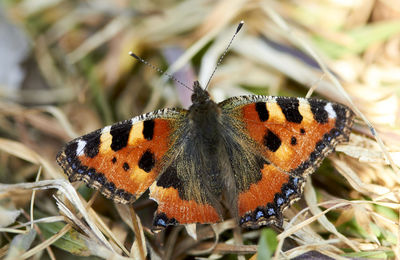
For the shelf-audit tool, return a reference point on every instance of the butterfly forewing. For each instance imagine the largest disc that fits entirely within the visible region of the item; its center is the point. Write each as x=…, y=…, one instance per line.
x=124, y=159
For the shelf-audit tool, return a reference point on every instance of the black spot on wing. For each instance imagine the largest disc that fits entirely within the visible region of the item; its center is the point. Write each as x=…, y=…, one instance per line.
x=148, y=129
x=169, y=178
x=147, y=161
x=318, y=110
x=293, y=140
x=114, y=160
x=262, y=111
x=125, y=166
x=92, y=143
x=290, y=108
x=272, y=141
x=120, y=135
x=302, y=131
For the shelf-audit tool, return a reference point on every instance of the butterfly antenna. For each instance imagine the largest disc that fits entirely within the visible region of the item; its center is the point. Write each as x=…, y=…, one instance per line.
x=225, y=52
x=159, y=70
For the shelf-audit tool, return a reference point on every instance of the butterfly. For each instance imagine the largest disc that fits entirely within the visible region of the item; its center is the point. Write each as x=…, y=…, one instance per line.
x=248, y=156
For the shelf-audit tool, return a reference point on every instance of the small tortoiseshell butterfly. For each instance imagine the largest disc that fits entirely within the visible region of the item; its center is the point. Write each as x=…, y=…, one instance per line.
x=248, y=154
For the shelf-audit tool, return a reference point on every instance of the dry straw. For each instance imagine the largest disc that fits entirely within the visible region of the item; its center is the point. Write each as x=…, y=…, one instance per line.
x=82, y=79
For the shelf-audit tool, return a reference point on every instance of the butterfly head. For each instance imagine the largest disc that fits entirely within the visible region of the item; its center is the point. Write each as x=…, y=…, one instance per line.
x=199, y=96
x=203, y=106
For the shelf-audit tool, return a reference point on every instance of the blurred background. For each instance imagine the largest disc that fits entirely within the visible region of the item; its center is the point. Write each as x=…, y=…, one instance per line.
x=65, y=71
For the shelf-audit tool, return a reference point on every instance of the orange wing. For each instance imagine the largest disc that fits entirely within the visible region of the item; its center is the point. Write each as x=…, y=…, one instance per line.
x=294, y=135
x=173, y=208
x=124, y=159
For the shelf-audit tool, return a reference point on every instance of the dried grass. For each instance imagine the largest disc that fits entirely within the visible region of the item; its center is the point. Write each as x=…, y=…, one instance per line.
x=80, y=50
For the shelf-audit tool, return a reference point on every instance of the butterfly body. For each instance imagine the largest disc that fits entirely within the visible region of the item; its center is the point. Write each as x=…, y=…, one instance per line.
x=249, y=154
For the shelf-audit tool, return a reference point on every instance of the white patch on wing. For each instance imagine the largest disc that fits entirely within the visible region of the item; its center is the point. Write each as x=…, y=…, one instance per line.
x=331, y=112
x=106, y=129
x=81, y=147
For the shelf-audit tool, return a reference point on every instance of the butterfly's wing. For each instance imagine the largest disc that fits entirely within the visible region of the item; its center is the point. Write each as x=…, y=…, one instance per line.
x=189, y=190
x=124, y=159
x=292, y=136
x=182, y=197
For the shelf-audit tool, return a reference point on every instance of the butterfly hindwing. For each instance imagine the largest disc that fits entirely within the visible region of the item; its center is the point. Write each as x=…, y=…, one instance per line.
x=124, y=159
x=177, y=204
x=189, y=190
x=293, y=135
